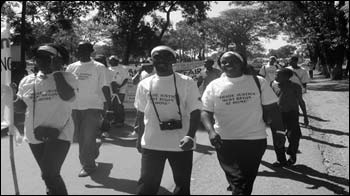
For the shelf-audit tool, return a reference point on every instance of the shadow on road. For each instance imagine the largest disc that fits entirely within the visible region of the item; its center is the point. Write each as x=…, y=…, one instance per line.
x=328, y=131
x=322, y=142
x=314, y=118
x=204, y=149
x=123, y=185
x=307, y=175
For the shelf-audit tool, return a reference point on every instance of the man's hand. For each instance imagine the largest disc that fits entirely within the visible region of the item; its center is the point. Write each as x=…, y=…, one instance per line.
x=215, y=140
x=186, y=143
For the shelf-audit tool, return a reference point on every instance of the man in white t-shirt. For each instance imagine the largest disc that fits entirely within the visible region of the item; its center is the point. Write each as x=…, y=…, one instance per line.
x=168, y=105
x=118, y=79
x=301, y=75
x=93, y=91
x=268, y=71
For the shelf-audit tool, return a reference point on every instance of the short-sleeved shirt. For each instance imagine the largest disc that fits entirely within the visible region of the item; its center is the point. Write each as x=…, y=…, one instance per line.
x=163, y=93
x=288, y=94
x=118, y=75
x=92, y=77
x=300, y=76
x=237, y=106
x=50, y=109
x=209, y=76
x=269, y=72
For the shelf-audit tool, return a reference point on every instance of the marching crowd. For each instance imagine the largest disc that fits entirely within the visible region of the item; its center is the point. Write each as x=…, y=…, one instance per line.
x=81, y=102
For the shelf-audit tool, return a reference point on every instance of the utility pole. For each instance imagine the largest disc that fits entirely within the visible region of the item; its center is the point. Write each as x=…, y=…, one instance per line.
x=23, y=20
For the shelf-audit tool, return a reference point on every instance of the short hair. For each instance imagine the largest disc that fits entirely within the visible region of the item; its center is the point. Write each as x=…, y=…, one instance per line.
x=285, y=71
x=211, y=61
x=86, y=45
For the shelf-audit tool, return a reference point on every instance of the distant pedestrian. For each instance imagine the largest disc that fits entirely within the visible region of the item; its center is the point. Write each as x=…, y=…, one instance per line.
x=88, y=107
x=168, y=105
x=118, y=79
x=268, y=71
x=46, y=98
x=239, y=133
x=208, y=74
x=106, y=114
x=290, y=98
x=144, y=71
x=300, y=75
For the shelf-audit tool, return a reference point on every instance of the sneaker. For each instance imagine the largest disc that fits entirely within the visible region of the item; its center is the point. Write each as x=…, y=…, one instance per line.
x=279, y=164
x=85, y=173
x=129, y=136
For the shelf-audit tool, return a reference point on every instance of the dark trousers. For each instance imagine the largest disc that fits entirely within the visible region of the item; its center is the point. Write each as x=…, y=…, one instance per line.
x=240, y=160
x=118, y=108
x=152, y=167
x=50, y=157
x=291, y=122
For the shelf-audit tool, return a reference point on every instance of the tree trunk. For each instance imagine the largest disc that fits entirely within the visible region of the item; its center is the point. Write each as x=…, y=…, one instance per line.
x=339, y=54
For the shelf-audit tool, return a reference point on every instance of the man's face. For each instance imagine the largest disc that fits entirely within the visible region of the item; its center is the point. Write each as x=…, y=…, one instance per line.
x=114, y=62
x=208, y=64
x=163, y=60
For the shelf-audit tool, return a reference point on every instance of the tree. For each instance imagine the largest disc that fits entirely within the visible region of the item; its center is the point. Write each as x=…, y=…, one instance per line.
x=322, y=25
x=241, y=27
x=129, y=20
x=283, y=52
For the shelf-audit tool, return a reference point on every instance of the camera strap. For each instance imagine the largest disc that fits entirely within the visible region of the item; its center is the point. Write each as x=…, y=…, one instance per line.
x=177, y=98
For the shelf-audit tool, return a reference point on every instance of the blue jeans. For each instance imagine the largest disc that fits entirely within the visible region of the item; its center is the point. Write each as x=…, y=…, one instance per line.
x=50, y=157
x=240, y=160
x=86, y=130
x=152, y=167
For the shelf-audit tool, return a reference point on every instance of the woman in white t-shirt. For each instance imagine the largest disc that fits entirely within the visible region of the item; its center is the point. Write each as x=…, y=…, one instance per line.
x=46, y=99
x=239, y=135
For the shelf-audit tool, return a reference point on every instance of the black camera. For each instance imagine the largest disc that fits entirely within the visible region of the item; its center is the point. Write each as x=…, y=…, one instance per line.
x=170, y=125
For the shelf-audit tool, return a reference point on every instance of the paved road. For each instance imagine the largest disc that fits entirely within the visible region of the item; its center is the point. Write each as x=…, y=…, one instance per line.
x=119, y=169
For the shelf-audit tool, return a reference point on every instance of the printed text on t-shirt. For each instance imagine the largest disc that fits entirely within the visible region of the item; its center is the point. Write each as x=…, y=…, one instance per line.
x=237, y=98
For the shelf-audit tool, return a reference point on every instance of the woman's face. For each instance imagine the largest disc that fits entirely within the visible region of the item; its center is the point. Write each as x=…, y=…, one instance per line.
x=231, y=65
x=47, y=63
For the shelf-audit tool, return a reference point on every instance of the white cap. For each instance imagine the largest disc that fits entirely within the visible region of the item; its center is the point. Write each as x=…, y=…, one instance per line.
x=49, y=49
x=160, y=48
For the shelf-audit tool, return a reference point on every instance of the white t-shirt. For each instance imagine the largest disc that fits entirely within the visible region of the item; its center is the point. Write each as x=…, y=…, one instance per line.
x=119, y=74
x=92, y=77
x=50, y=109
x=300, y=77
x=145, y=74
x=163, y=93
x=236, y=104
x=269, y=72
